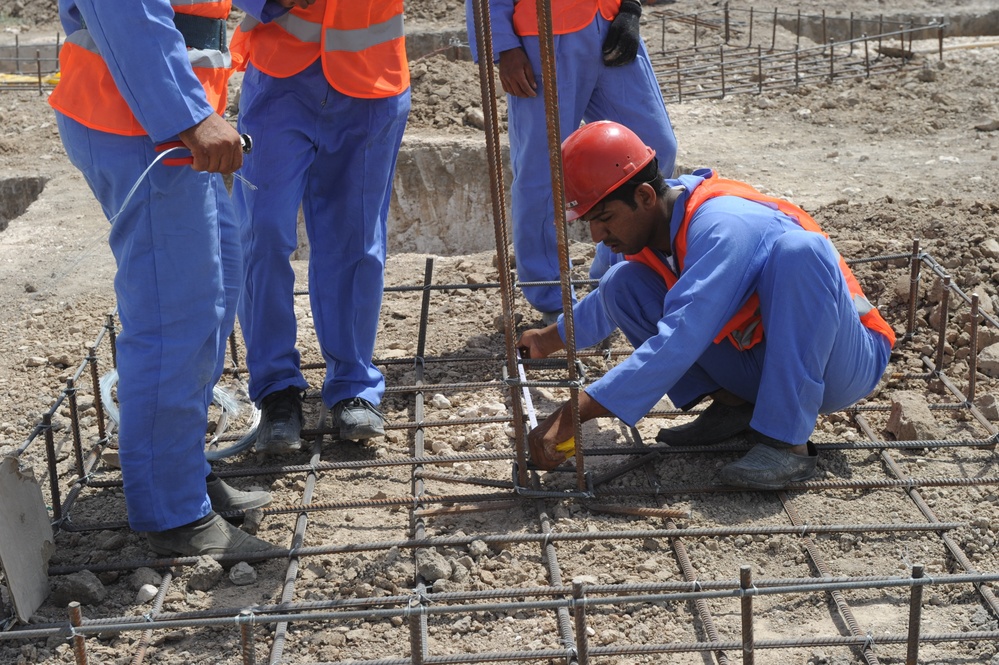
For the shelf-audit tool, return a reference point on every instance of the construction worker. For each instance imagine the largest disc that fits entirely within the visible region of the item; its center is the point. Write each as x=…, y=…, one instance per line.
x=603, y=72
x=326, y=97
x=726, y=292
x=137, y=77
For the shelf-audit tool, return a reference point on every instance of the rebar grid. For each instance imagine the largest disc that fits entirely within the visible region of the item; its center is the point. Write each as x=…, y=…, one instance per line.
x=714, y=55
x=569, y=602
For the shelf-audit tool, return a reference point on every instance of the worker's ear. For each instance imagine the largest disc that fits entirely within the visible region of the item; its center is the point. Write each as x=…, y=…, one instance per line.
x=646, y=196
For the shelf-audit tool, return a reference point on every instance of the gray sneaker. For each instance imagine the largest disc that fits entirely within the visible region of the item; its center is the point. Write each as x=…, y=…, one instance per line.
x=358, y=419
x=549, y=318
x=717, y=423
x=280, y=428
x=226, y=498
x=210, y=535
x=767, y=467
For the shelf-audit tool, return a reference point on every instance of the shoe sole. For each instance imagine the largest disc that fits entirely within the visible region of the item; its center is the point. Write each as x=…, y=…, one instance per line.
x=277, y=448
x=749, y=484
x=361, y=434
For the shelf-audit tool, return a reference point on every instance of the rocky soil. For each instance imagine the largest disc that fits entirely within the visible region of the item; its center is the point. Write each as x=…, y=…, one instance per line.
x=880, y=163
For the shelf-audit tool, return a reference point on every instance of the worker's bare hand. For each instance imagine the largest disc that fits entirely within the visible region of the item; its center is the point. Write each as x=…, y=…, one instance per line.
x=543, y=439
x=540, y=343
x=301, y=4
x=214, y=145
x=516, y=73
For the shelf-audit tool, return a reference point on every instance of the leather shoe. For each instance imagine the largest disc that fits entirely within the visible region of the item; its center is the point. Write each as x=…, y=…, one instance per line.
x=280, y=428
x=717, y=423
x=210, y=535
x=226, y=498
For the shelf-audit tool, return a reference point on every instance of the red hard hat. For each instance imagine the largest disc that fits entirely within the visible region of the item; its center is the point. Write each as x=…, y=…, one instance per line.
x=596, y=159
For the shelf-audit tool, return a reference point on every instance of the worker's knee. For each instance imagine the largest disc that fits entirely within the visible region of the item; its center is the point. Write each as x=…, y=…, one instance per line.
x=631, y=292
x=802, y=251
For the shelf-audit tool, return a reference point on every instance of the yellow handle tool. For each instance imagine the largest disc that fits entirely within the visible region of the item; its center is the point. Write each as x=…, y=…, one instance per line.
x=567, y=447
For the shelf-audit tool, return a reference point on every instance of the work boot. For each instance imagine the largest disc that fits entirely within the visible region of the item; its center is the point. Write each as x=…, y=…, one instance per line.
x=358, y=419
x=280, y=428
x=210, y=535
x=770, y=465
x=719, y=422
x=226, y=498
x=548, y=318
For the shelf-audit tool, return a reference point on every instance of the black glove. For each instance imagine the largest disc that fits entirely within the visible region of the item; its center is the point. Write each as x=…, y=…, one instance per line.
x=624, y=36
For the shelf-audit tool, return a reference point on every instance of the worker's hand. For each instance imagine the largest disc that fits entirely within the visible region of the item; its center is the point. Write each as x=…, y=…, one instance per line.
x=516, y=73
x=540, y=343
x=214, y=145
x=544, y=441
x=624, y=35
x=291, y=4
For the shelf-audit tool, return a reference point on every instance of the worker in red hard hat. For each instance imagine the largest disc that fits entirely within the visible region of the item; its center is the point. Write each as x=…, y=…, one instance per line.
x=726, y=292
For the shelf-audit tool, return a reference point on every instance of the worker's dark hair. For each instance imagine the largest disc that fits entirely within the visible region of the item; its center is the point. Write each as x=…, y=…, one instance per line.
x=650, y=174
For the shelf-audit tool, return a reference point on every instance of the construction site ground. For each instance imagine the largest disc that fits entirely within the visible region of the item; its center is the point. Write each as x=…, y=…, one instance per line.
x=880, y=162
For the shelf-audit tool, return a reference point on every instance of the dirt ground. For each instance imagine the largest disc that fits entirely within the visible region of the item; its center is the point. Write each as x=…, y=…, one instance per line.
x=879, y=162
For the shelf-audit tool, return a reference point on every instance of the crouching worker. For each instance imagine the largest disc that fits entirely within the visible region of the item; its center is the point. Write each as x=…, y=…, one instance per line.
x=726, y=293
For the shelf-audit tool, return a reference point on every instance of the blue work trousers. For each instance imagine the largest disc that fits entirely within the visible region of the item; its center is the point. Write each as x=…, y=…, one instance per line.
x=335, y=156
x=587, y=90
x=816, y=356
x=176, y=245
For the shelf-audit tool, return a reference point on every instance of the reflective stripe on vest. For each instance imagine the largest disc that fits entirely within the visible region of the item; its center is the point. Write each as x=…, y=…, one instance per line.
x=362, y=45
x=87, y=93
x=745, y=329
x=567, y=15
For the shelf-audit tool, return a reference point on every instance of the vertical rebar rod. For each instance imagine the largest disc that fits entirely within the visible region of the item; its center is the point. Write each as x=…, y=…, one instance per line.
x=579, y=615
x=881, y=29
x=726, y=23
x=38, y=71
x=98, y=400
x=74, y=423
x=487, y=83
x=940, y=38
x=695, y=31
x=233, y=350
x=942, y=325
x=832, y=62
x=973, y=349
x=797, y=31
x=418, y=629
x=113, y=338
x=721, y=61
x=79, y=642
x=773, y=32
x=797, y=65
x=867, y=58
x=914, y=266
x=746, y=583
x=679, y=82
x=50, y=457
x=749, y=40
x=17, y=52
x=915, y=617
x=246, y=638
x=851, y=33
x=546, y=41
x=759, y=69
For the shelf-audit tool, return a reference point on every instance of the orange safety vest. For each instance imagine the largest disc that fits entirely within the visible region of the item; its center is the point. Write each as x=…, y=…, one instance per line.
x=567, y=15
x=87, y=93
x=362, y=44
x=745, y=329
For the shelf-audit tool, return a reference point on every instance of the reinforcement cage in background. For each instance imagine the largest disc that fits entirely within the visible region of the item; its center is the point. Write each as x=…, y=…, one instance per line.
x=717, y=53
x=701, y=55
x=266, y=627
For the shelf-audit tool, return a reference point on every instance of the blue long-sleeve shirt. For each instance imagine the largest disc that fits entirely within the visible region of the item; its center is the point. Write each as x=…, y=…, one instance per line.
x=147, y=57
x=501, y=20
x=728, y=242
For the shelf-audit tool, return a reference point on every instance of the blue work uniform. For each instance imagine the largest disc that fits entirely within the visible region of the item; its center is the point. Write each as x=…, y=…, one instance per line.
x=816, y=356
x=588, y=90
x=179, y=265
x=334, y=155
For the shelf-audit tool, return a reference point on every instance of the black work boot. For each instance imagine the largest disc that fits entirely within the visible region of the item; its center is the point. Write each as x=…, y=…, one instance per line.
x=280, y=428
x=226, y=498
x=719, y=422
x=358, y=419
x=210, y=535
